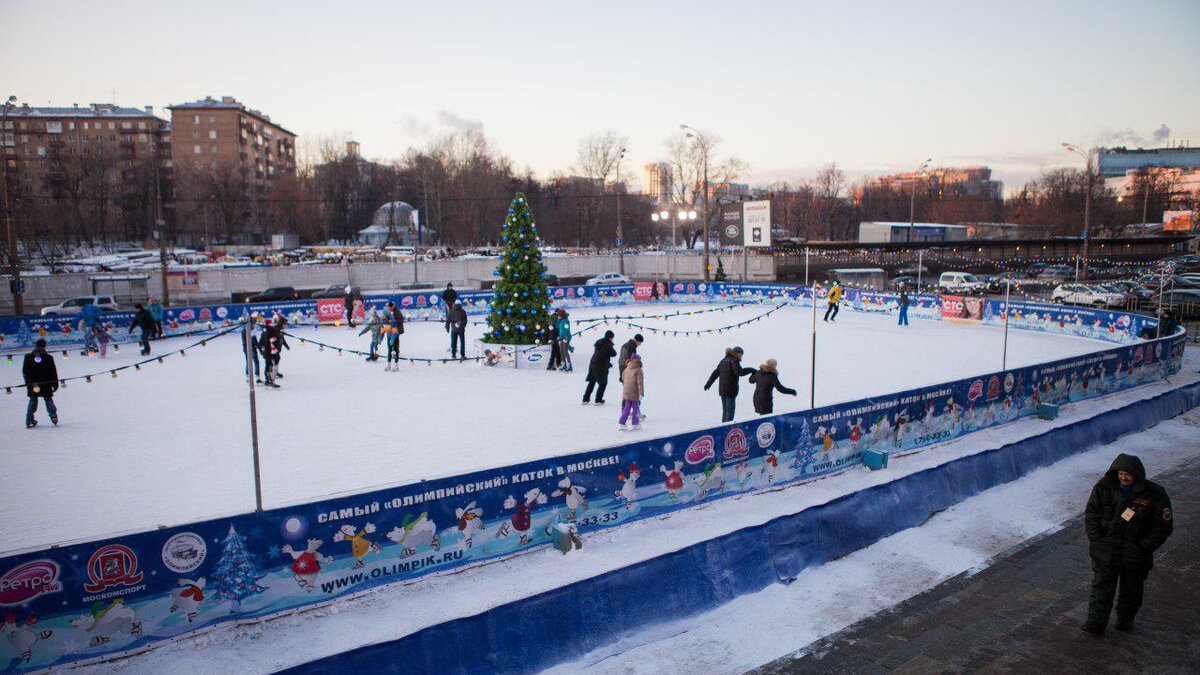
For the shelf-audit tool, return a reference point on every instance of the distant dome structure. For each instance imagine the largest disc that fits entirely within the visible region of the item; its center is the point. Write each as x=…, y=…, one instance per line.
x=399, y=218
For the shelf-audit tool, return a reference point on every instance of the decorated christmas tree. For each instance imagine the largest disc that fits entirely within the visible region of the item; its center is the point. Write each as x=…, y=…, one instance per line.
x=236, y=576
x=521, y=306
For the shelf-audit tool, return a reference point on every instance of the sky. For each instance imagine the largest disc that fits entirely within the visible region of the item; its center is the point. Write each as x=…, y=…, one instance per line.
x=788, y=87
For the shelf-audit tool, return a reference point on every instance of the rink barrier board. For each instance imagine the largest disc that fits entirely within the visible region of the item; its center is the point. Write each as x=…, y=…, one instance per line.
x=424, y=528
x=567, y=623
x=61, y=332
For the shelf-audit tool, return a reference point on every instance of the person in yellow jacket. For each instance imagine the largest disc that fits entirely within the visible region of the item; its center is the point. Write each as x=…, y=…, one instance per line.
x=834, y=297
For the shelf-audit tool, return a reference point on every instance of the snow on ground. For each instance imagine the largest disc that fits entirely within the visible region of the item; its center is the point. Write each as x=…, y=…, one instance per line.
x=171, y=444
x=821, y=601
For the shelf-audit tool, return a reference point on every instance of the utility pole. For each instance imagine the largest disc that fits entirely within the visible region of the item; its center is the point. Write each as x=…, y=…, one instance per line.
x=14, y=259
x=1087, y=206
x=160, y=225
x=620, y=230
x=1146, y=197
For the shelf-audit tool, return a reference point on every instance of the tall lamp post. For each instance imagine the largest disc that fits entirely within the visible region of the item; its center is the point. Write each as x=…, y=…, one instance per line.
x=675, y=217
x=912, y=199
x=1087, y=207
x=620, y=230
x=14, y=260
x=703, y=143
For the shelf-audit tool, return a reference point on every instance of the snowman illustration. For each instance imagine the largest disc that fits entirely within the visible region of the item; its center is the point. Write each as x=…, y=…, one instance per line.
x=187, y=597
x=674, y=479
x=306, y=564
x=629, y=479
x=770, y=465
x=574, y=497
x=360, y=546
x=414, y=533
x=470, y=522
x=710, y=480
x=521, y=520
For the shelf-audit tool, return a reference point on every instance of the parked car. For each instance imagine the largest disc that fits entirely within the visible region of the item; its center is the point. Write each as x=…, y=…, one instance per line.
x=608, y=278
x=1057, y=273
x=1184, y=304
x=1131, y=289
x=960, y=282
x=905, y=281
x=551, y=279
x=337, y=291
x=1082, y=294
x=73, y=305
x=277, y=294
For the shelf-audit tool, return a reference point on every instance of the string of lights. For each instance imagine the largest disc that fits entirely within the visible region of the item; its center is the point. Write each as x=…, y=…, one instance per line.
x=137, y=365
x=720, y=329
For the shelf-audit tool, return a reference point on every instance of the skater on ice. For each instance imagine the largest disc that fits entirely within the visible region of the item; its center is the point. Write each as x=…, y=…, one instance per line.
x=374, y=326
x=449, y=297
x=598, y=368
x=102, y=338
x=456, y=319
x=392, y=330
x=155, y=307
x=766, y=381
x=903, y=307
x=627, y=350
x=632, y=391
x=145, y=323
x=348, y=304
x=41, y=381
x=89, y=317
x=563, y=324
x=252, y=347
x=729, y=370
x=832, y=300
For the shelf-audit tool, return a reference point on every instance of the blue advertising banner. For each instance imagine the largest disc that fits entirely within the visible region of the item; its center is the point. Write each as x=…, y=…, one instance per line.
x=1099, y=324
x=100, y=599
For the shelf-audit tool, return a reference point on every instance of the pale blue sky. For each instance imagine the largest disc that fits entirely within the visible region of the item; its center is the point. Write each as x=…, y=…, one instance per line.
x=788, y=86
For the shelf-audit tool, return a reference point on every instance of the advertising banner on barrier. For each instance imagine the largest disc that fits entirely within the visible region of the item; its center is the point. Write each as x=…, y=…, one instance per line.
x=1099, y=324
x=642, y=290
x=106, y=598
x=962, y=308
x=333, y=310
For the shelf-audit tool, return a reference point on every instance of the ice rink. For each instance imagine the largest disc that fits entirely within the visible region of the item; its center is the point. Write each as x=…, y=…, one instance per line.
x=171, y=443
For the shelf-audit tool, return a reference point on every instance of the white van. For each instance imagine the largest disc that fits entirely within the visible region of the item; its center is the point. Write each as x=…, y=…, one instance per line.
x=960, y=282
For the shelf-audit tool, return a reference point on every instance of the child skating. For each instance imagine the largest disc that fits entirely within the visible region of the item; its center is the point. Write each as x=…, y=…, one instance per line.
x=632, y=392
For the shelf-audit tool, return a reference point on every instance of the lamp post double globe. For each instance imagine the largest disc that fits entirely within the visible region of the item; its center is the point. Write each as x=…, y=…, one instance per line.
x=1087, y=207
x=675, y=217
x=702, y=142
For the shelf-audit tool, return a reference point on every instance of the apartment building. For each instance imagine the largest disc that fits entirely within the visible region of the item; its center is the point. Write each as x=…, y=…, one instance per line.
x=213, y=132
x=656, y=182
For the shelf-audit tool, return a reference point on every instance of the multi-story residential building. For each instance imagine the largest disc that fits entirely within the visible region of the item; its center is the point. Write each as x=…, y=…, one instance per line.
x=49, y=150
x=975, y=182
x=211, y=132
x=735, y=191
x=110, y=162
x=657, y=183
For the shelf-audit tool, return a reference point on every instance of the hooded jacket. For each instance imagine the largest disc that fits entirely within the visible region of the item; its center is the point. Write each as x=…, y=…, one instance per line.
x=601, y=360
x=765, y=381
x=457, y=317
x=728, y=370
x=1120, y=542
x=633, y=387
x=627, y=350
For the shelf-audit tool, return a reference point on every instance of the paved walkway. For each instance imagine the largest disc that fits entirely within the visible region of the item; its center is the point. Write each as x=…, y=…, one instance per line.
x=1022, y=614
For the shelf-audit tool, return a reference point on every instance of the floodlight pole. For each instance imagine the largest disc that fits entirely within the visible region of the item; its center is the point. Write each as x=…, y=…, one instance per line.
x=1007, y=312
x=806, y=251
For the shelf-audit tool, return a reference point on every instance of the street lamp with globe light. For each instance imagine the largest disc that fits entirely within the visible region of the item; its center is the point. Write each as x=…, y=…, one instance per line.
x=1081, y=275
x=691, y=132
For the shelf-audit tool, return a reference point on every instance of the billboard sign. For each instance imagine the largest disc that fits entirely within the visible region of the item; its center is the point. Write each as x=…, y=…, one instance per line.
x=756, y=223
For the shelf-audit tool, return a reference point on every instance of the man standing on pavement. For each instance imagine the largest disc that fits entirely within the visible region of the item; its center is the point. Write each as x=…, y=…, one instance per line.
x=1127, y=518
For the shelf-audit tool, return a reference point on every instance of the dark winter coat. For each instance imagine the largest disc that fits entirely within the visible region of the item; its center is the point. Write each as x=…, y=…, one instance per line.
x=728, y=371
x=449, y=296
x=397, y=321
x=627, y=350
x=601, y=360
x=39, y=370
x=903, y=299
x=457, y=316
x=348, y=302
x=1127, y=544
x=766, y=381
x=142, y=320
x=272, y=342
